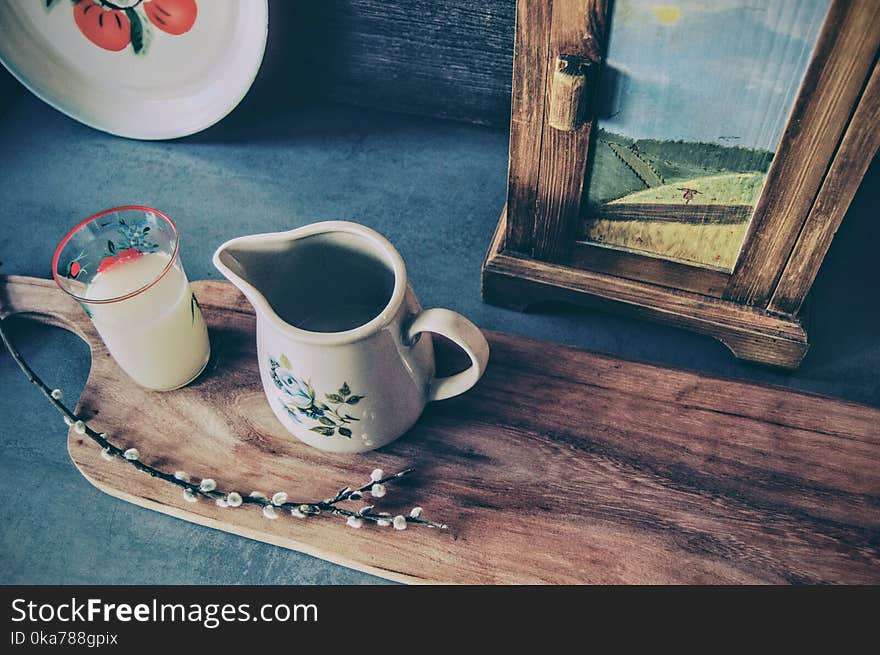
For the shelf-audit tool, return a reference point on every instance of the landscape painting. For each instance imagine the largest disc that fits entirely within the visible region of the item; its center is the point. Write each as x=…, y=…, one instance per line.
x=693, y=101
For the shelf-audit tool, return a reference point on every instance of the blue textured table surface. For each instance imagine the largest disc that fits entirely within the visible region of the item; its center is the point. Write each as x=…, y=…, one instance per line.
x=434, y=188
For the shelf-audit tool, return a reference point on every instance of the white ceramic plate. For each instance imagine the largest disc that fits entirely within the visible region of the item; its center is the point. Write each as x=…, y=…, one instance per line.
x=154, y=69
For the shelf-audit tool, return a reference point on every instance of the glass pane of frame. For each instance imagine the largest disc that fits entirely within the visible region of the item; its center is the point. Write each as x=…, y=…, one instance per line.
x=694, y=98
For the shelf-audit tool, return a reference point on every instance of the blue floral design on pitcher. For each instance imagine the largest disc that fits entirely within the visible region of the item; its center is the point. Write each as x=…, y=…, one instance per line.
x=298, y=397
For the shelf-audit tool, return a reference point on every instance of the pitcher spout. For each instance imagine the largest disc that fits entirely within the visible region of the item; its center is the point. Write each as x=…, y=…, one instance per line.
x=330, y=282
x=244, y=262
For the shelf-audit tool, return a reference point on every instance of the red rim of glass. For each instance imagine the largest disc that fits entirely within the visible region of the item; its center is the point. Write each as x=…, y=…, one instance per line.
x=95, y=217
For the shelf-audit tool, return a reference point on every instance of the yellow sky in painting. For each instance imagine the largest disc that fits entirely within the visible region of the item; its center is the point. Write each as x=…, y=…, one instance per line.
x=667, y=14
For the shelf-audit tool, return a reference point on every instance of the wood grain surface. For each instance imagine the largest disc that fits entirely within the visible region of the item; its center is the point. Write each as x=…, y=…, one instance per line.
x=561, y=466
x=662, y=271
x=527, y=121
x=577, y=28
x=446, y=58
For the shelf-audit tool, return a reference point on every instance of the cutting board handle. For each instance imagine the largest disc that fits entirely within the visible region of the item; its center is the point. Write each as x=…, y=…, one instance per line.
x=43, y=301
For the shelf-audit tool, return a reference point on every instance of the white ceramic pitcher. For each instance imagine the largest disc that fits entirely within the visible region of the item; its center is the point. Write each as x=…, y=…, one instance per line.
x=342, y=357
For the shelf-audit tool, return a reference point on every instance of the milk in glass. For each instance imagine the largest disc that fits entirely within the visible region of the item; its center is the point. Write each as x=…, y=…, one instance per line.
x=157, y=336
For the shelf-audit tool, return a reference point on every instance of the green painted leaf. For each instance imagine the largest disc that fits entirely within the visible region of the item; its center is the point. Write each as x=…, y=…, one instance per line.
x=320, y=405
x=147, y=26
x=111, y=247
x=326, y=421
x=345, y=432
x=327, y=432
x=137, y=30
x=344, y=390
x=192, y=308
x=334, y=397
x=354, y=400
x=351, y=418
x=285, y=362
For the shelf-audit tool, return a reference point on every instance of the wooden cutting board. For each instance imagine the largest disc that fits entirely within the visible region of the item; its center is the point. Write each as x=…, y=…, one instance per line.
x=561, y=466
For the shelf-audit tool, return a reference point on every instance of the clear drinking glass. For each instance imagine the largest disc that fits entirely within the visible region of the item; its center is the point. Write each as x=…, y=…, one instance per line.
x=123, y=266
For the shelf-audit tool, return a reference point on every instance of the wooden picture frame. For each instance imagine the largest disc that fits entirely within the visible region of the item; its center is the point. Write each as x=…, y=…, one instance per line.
x=825, y=149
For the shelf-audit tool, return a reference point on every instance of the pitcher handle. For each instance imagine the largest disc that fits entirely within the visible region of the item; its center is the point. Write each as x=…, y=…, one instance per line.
x=463, y=333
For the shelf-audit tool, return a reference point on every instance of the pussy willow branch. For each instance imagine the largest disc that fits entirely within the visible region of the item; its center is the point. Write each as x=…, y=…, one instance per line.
x=312, y=508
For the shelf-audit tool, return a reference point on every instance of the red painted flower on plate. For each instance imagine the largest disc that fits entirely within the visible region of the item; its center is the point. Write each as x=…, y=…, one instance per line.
x=113, y=25
x=172, y=16
x=106, y=28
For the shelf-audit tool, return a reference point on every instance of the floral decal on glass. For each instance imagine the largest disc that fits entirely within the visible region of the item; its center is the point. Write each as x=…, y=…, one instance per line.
x=132, y=242
x=328, y=416
x=121, y=23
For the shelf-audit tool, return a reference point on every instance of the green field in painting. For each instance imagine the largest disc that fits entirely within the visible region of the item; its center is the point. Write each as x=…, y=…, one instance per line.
x=622, y=166
x=724, y=189
x=709, y=244
x=651, y=171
